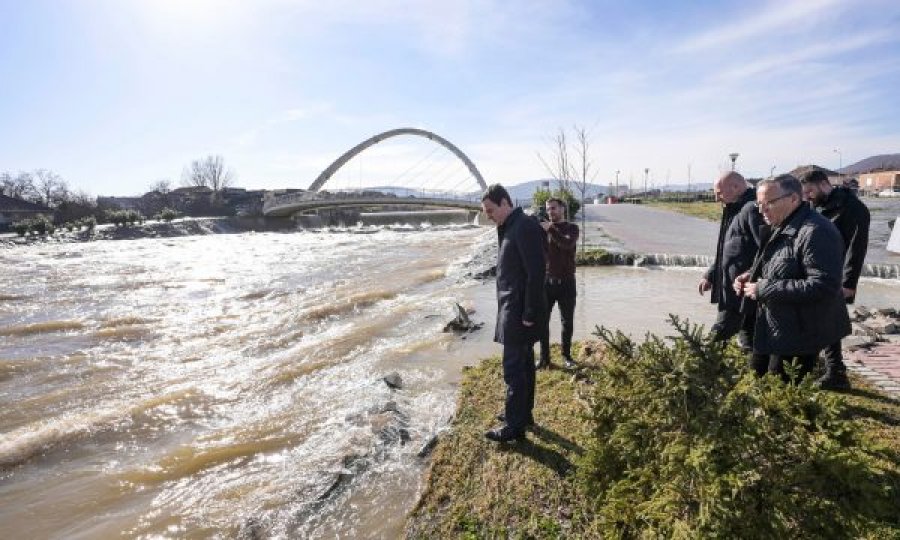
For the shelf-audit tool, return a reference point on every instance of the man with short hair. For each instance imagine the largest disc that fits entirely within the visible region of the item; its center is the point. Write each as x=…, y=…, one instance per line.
x=796, y=282
x=851, y=217
x=520, y=307
x=733, y=192
x=562, y=239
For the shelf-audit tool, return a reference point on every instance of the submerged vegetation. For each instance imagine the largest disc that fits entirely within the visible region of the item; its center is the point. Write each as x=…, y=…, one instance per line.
x=670, y=438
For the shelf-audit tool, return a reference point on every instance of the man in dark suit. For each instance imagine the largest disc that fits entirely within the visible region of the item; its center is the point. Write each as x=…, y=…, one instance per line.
x=851, y=217
x=520, y=307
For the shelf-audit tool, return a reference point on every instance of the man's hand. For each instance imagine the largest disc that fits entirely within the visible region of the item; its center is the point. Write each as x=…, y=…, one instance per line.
x=848, y=293
x=527, y=324
x=704, y=286
x=546, y=225
x=750, y=290
x=739, y=283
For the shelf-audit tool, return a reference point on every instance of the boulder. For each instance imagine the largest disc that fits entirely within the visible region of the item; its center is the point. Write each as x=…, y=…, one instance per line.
x=393, y=380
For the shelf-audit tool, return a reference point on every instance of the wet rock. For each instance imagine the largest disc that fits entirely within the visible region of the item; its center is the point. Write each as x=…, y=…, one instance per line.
x=428, y=447
x=393, y=380
x=882, y=326
x=888, y=312
x=641, y=261
x=461, y=323
x=252, y=529
x=860, y=313
x=860, y=329
x=853, y=343
x=390, y=406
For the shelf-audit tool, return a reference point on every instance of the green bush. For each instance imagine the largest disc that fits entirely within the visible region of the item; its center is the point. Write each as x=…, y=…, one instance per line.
x=22, y=227
x=572, y=203
x=687, y=443
x=88, y=222
x=167, y=215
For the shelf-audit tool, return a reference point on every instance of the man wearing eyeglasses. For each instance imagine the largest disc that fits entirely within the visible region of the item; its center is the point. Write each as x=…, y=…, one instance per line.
x=851, y=217
x=796, y=282
x=734, y=193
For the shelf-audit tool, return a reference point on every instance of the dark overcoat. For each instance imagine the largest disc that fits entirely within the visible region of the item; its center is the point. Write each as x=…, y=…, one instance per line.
x=716, y=273
x=800, y=307
x=520, y=279
x=851, y=217
x=742, y=241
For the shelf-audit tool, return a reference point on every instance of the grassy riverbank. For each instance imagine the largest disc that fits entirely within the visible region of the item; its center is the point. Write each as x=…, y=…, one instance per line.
x=701, y=209
x=477, y=489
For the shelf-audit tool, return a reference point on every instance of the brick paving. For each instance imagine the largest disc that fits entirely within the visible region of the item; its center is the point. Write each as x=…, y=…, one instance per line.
x=880, y=364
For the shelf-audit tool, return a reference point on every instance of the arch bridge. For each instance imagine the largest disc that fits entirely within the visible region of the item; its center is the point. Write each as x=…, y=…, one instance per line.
x=290, y=204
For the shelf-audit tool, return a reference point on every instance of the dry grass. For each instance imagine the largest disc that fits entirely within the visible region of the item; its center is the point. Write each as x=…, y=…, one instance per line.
x=711, y=211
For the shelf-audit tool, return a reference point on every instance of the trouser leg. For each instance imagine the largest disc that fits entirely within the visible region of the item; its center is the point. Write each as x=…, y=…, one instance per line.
x=804, y=363
x=551, y=294
x=567, y=315
x=759, y=363
x=728, y=323
x=518, y=374
x=834, y=359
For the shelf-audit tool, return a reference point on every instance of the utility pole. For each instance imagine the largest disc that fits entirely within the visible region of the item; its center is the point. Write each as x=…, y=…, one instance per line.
x=646, y=174
x=617, y=184
x=733, y=156
x=689, y=177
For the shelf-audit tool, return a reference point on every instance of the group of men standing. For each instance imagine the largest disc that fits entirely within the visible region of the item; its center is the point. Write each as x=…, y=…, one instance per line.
x=788, y=259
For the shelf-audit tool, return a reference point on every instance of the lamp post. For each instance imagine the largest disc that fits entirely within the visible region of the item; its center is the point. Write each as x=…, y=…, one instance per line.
x=840, y=163
x=772, y=171
x=733, y=156
x=617, y=185
x=646, y=174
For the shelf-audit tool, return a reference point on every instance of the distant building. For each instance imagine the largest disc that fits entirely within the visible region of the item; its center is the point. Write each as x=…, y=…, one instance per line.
x=876, y=181
x=12, y=210
x=121, y=203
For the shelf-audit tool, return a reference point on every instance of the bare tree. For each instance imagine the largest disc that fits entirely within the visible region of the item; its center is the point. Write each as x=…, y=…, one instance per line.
x=163, y=186
x=51, y=188
x=559, y=167
x=20, y=186
x=583, y=171
x=208, y=172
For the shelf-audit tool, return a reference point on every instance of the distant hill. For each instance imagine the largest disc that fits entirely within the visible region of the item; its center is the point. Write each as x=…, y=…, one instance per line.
x=883, y=162
x=525, y=190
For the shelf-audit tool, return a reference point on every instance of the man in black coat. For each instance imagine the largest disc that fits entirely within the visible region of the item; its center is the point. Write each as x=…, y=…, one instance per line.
x=795, y=280
x=851, y=217
x=520, y=307
x=734, y=193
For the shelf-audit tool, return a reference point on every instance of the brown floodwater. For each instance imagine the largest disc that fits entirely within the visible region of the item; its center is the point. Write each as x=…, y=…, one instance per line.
x=227, y=385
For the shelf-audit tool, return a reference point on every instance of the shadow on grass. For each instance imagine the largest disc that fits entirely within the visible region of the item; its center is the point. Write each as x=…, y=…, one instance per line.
x=542, y=448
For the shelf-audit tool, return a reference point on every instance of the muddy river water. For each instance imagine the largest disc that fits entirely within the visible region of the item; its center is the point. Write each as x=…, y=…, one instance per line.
x=229, y=385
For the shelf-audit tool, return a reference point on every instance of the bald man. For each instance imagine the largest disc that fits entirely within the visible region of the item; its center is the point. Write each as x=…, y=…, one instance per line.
x=733, y=193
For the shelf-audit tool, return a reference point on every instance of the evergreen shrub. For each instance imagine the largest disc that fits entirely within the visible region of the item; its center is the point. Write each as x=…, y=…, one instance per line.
x=541, y=197
x=687, y=443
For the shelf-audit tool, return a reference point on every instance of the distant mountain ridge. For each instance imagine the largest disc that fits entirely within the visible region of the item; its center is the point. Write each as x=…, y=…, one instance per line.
x=890, y=162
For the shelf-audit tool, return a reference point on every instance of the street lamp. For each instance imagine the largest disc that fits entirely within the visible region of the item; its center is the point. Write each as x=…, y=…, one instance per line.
x=646, y=174
x=840, y=164
x=772, y=171
x=617, y=185
x=733, y=156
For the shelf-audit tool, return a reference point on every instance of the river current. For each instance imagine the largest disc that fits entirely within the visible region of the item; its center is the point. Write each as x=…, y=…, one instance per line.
x=226, y=386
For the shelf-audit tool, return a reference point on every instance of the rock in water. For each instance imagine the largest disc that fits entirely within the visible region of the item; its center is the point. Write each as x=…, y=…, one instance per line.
x=393, y=380
x=461, y=323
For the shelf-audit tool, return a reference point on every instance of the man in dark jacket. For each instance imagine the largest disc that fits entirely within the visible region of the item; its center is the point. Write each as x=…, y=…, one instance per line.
x=562, y=239
x=851, y=217
x=520, y=307
x=795, y=280
x=732, y=191
x=742, y=241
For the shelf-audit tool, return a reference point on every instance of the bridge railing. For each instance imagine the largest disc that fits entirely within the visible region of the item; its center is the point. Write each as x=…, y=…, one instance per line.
x=305, y=197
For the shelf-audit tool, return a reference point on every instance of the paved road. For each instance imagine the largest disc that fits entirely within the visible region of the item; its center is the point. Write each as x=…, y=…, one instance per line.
x=643, y=229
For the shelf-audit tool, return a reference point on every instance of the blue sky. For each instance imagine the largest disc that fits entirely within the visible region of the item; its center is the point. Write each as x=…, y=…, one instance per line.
x=116, y=94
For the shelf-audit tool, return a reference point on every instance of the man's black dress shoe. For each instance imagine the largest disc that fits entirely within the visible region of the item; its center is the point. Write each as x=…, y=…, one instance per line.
x=504, y=434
